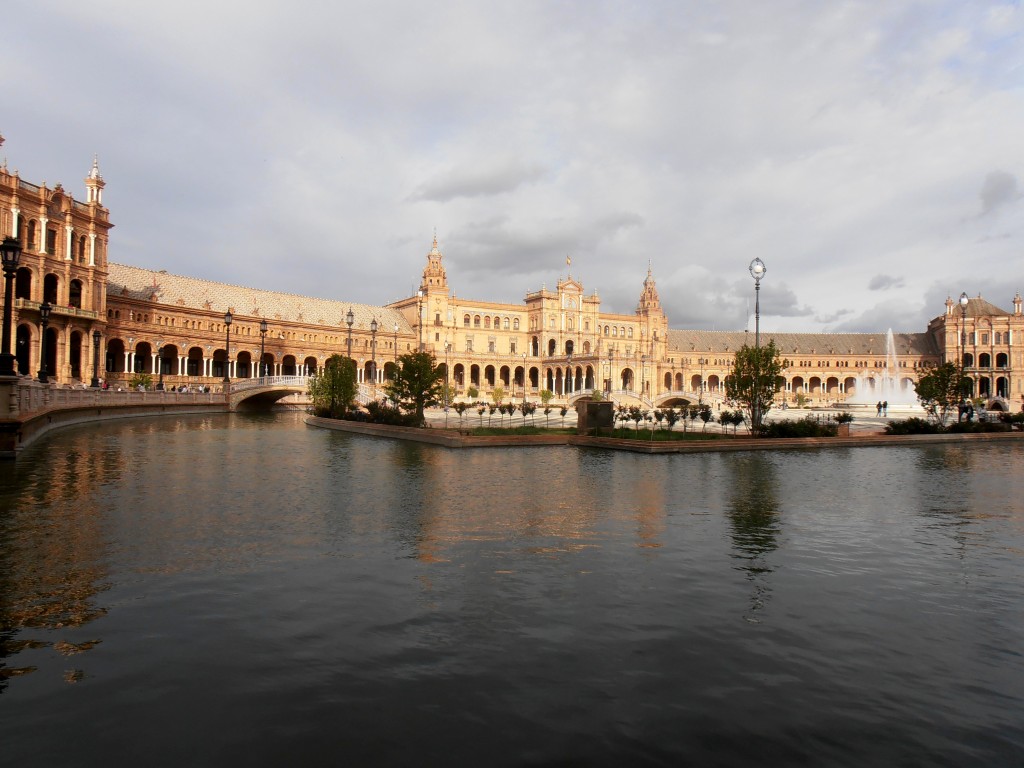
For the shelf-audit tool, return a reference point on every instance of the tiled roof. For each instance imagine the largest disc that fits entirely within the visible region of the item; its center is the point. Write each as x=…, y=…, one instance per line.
x=979, y=307
x=176, y=291
x=873, y=344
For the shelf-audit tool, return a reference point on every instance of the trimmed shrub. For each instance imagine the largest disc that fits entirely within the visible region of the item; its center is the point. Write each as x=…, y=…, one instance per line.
x=807, y=427
x=915, y=425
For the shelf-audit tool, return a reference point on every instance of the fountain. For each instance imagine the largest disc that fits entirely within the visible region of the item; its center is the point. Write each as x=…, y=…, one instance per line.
x=889, y=385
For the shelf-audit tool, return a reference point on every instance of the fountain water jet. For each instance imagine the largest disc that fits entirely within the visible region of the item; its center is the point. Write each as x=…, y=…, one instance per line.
x=887, y=385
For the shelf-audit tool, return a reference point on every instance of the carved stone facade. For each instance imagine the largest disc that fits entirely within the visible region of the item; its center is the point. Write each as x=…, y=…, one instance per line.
x=558, y=339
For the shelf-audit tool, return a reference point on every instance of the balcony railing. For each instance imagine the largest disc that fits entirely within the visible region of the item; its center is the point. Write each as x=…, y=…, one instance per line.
x=57, y=309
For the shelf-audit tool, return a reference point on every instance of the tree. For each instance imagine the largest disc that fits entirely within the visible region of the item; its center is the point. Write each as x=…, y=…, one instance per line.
x=941, y=390
x=705, y=416
x=460, y=408
x=498, y=394
x=333, y=392
x=755, y=378
x=418, y=384
x=472, y=392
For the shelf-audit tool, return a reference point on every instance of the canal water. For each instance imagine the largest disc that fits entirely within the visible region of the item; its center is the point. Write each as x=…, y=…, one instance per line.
x=247, y=590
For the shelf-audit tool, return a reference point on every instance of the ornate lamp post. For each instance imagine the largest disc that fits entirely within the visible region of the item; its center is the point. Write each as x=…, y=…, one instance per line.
x=524, y=384
x=95, y=383
x=446, y=390
x=160, y=363
x=44, y=322
x=227, y=349
x=962, y=337
x=419, y=319
x=373, y=351
x=349, y=319
x=263, y=343
x=757, y=270
x=10, y=251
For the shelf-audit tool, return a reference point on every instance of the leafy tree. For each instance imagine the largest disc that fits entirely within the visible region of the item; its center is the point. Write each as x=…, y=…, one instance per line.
x=528, y=409
x=801, y=400
x=143, y=379
x=547, y=415
x=755, y=378
x=671, y=417
x=546, y=395
x=498, y=394
x=333, y=392
x=417, y=384
x=940, y=391
x=563, y=410
x=659, y=416
x=490, y=413
x=706, y=416
x=460, y=408
x=472, y=392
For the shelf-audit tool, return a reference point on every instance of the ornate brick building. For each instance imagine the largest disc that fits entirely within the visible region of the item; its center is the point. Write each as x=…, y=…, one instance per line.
x=559, y=339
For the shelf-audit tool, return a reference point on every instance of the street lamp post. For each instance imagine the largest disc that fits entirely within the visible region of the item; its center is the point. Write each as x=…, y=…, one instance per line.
x=757, y=271
x=44, y=322
x=160, y=363
x=349, y=319
x=227, y=349
x=524, y=384
x=419, y=319
x=373, y=351
x=10, y=251
x=962, y=338
x=95, y=383
x=263, y=342
x=446, y=390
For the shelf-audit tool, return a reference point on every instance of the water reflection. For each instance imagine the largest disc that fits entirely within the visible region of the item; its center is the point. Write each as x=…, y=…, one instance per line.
x=753, y=512
x=52, y=566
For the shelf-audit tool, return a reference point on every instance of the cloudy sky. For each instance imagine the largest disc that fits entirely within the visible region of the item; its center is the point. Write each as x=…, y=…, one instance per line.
x=871, y=153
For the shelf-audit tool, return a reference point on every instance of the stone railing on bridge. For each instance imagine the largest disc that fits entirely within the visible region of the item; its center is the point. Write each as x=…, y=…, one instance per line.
x=260, y=382
x=28, y=397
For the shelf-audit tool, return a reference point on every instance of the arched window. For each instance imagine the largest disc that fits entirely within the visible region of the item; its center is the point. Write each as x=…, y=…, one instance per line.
x=465, y=320
x=504, y=324
x=476, y=321
x=75, y=294
x=515, y=324
x=630, y=332
x=615, y=331
x=487, y=322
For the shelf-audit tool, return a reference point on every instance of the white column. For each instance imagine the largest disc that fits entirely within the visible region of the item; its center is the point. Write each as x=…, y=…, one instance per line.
x=43, y=221
x=92, y=249
x=127, y=358
x=153, y=365
x=67, y=242
x=181, y=364
x=15, y=220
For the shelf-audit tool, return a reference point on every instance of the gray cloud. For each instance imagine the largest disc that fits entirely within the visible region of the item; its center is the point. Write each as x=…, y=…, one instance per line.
x=885, y=282
x=478, y=181
x=998, y=190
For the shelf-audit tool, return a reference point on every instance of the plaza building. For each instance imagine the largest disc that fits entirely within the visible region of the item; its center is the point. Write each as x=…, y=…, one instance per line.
x=124, y=320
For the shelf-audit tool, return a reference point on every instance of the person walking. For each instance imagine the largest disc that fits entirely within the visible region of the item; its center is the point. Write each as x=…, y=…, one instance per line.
x=885, y=407
x=878, y=408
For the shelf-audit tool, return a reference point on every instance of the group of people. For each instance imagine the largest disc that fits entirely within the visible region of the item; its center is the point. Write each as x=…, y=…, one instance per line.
x=882, y=409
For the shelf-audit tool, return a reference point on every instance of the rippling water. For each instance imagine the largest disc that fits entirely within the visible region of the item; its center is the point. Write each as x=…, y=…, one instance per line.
x=245, y=590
